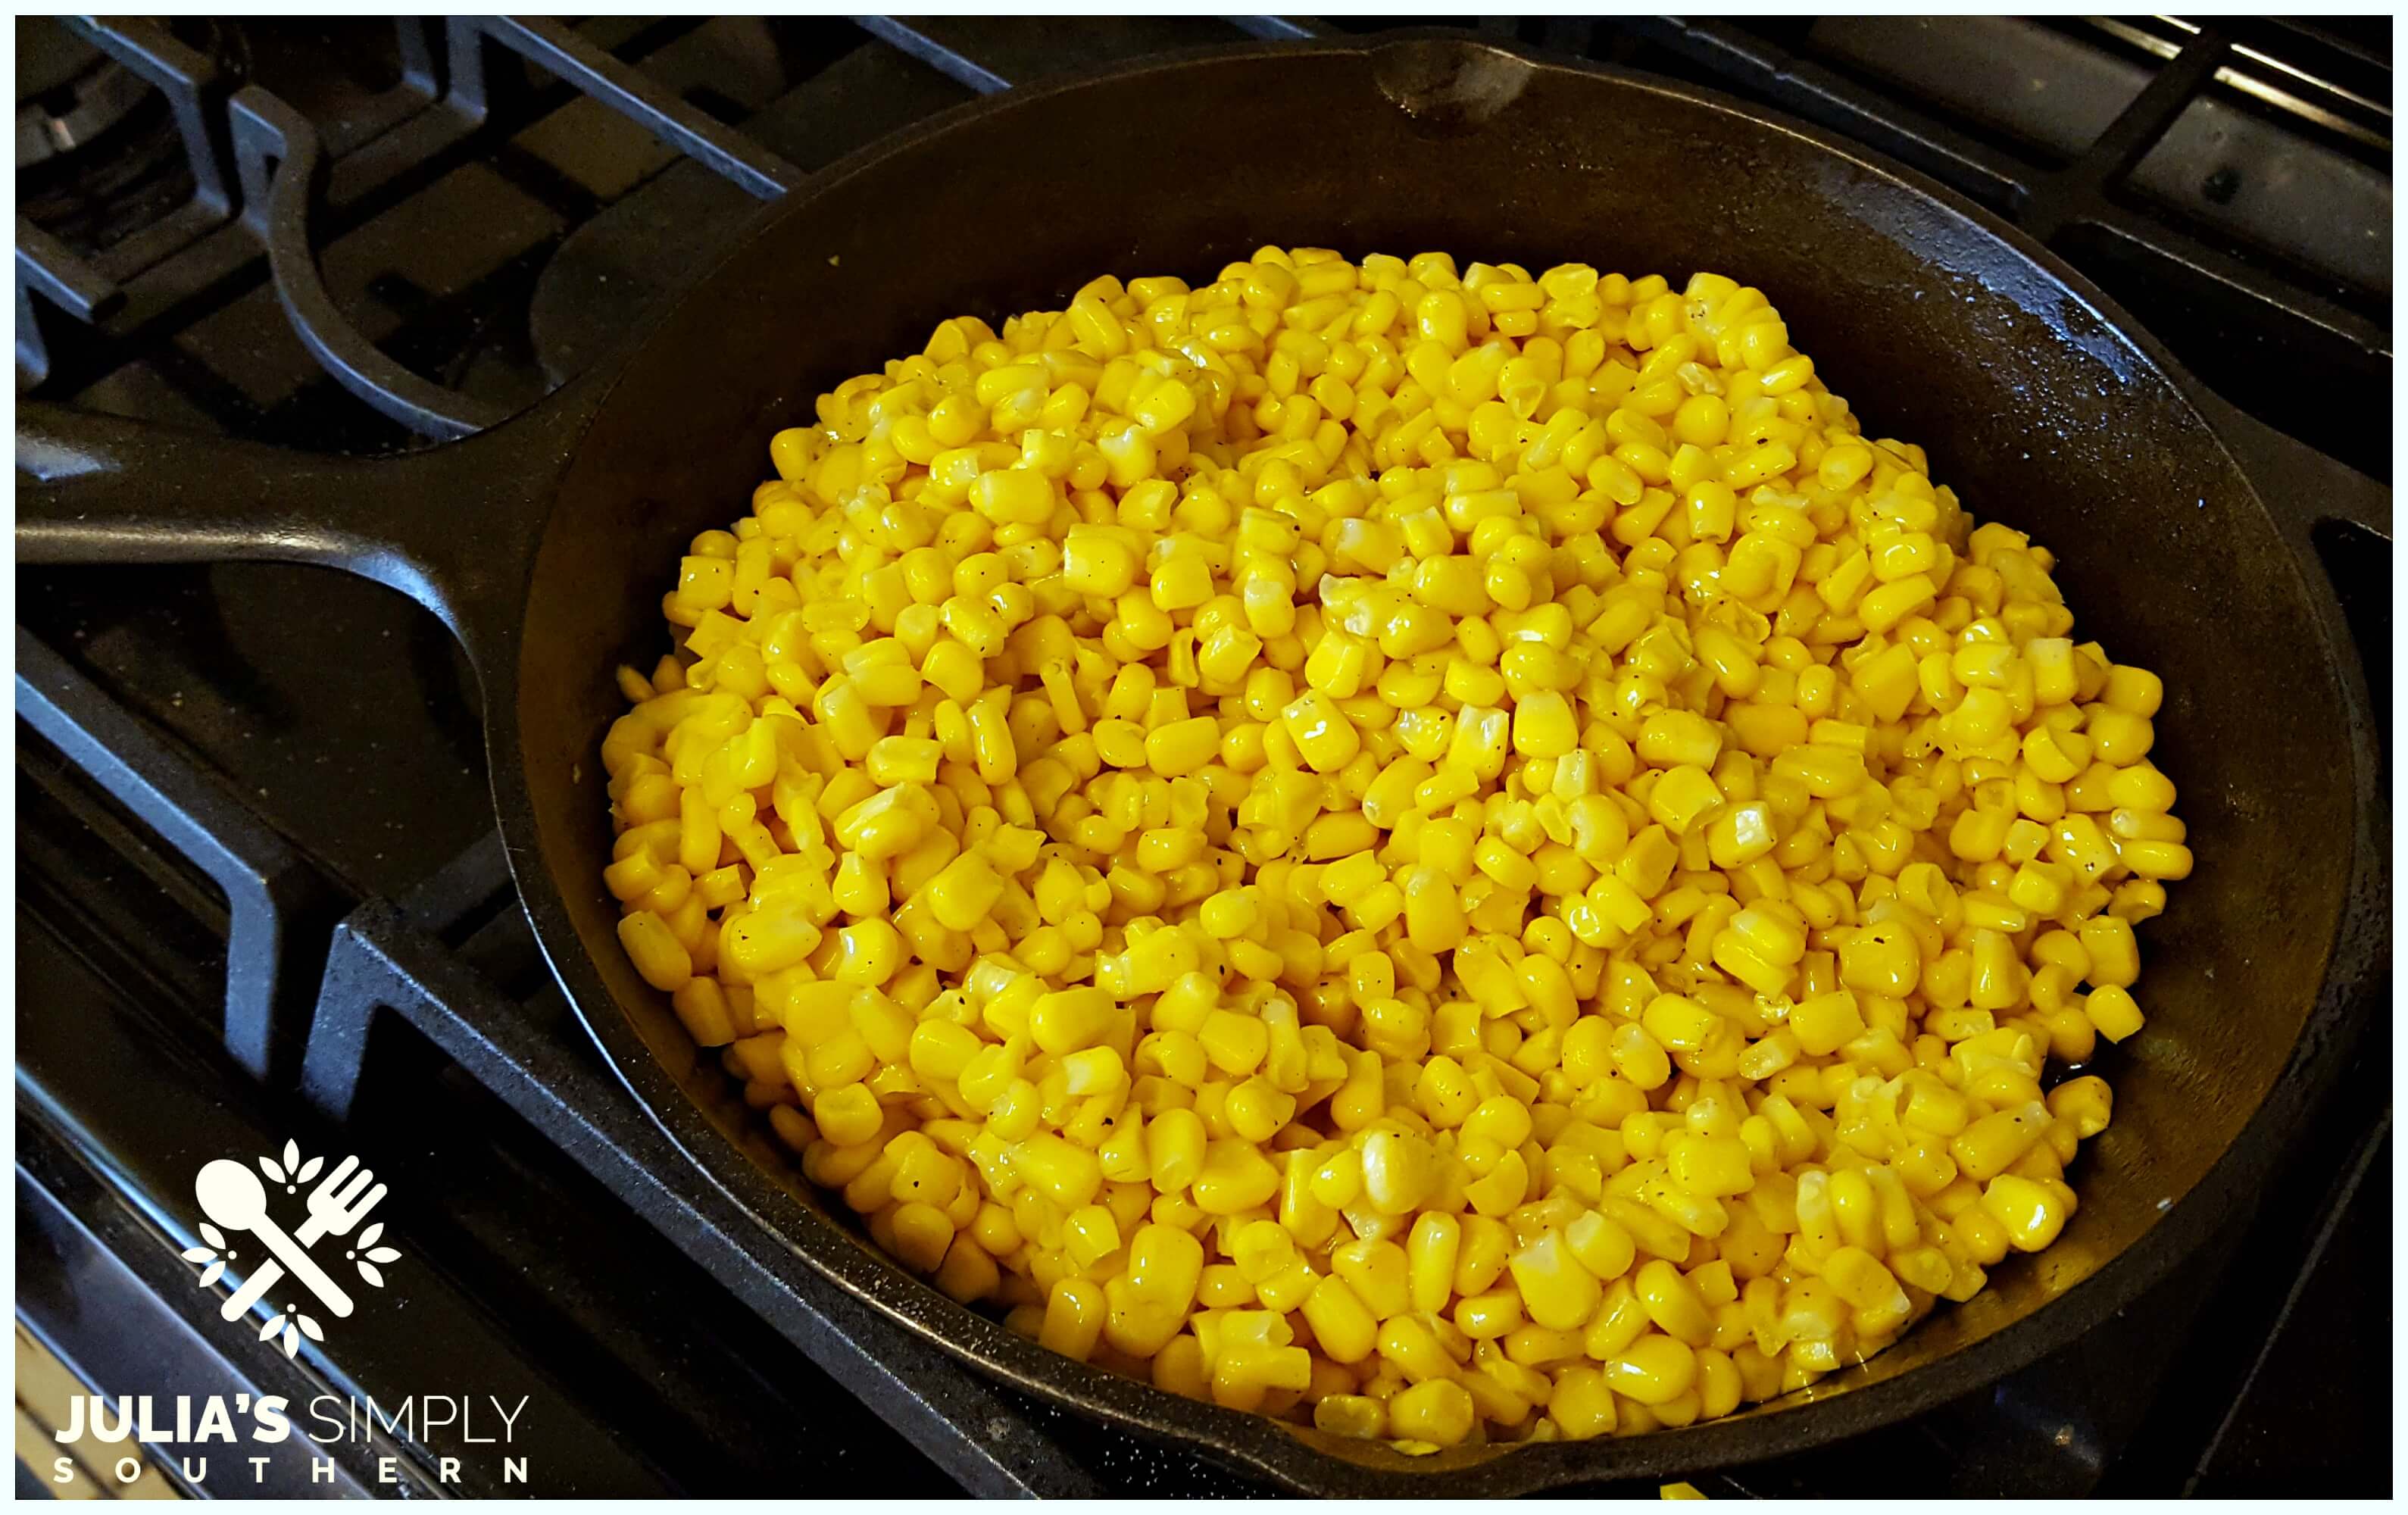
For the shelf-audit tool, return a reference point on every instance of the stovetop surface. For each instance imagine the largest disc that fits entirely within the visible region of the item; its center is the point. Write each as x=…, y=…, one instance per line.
x=502, y=263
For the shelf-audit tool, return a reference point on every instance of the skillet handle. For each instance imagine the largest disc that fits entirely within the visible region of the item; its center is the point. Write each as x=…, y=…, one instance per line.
x=453, y=526
x=2338, y=522
x=2306, y=487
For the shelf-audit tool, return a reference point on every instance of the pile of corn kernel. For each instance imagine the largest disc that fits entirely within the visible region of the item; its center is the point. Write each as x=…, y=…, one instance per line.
x=1455, y=856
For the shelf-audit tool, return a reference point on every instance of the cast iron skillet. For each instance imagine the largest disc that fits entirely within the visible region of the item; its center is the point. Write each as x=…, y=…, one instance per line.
x=546, y=545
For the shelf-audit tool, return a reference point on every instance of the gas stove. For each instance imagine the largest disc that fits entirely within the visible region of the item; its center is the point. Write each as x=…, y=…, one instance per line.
x=262, y=913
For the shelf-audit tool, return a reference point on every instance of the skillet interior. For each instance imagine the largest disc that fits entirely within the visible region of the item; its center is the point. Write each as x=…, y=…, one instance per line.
x=2033, y=405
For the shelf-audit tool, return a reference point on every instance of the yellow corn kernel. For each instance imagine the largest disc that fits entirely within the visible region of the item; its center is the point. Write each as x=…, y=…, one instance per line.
x=1323, y=735
x=1712, y=1166
x=1066, y=1174
x=1414, y=1349
x=1740, y=835
x=1682, y=796
x=848, y=1115
x=1354, y=1415
x=2087, y=1101
x=1992, y=1144
x=2114, y=955
x=1556, y=1290
x=1074, y=1319
x=2030, y=1213
x=1602, y=1245
x=1671, y=738
x=1235, y=1176
x=1582, y=1404
x=1827, y=1022
x=1400, y=1171
x=1655, y=1369
x=1672, y=1303
x=1432, y=1250
x=2113, y=1010
x=1438, y=1413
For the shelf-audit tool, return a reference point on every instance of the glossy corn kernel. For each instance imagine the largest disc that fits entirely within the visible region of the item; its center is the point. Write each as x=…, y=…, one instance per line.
x=2113, y=1010
x=1557, y=1291
x=1656, y=1369
x=1438, y=1413
x=1352, y=1415
x=1467, y=805
x=2031, y=1213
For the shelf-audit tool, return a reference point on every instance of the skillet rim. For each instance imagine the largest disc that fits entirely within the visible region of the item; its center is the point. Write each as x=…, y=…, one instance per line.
x=1272, y=1449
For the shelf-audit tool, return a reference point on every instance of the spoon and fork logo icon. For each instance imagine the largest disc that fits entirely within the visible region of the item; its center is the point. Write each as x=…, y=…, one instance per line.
x=236, y=1200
